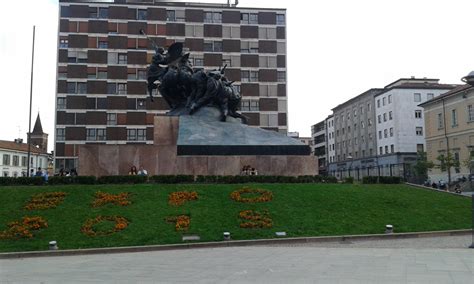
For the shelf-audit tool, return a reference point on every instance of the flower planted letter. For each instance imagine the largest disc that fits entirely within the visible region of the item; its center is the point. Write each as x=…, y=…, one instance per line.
x=180, y=197
x=45, y=200
x=113, y=223
x=181, y=222
x=23, y=228
x=102, y=198
x=255, y=219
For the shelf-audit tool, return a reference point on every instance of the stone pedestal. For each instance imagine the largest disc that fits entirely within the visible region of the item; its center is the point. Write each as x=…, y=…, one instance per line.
x=172, y=132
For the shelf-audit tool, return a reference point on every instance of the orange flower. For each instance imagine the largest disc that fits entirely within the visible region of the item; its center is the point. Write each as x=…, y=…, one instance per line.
x=102, y=198
x=264, y=195
x=88, y=227
x=45, y=200
x=182, y=222
x=180, y=197
x=23, y=229
x=255, y=219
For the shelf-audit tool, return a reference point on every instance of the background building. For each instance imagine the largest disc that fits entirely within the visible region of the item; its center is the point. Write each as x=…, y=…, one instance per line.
x=102, y=59
x=355, y=142
x=380, y=131
x=449, y=124
x=330, y=141
x=399, y=122
x=318, y=135
x=14, y=154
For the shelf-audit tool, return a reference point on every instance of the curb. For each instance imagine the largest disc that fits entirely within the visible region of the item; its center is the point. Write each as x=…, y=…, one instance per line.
x=434, y=189
x=72, y=252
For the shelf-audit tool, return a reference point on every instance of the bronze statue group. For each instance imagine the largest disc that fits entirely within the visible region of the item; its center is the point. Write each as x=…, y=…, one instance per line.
x=185, y=89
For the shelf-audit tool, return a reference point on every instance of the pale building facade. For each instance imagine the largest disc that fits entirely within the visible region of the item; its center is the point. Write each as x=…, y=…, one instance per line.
x=449, y=123
x=330, y=143
x=14, y=157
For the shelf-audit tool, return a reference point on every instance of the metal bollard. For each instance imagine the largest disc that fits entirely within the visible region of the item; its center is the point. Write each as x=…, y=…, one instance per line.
x=53, y=245
x=388, y=229
x=226, y=236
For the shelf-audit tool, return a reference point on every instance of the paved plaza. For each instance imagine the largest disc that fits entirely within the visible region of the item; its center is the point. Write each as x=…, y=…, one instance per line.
x=424, y=260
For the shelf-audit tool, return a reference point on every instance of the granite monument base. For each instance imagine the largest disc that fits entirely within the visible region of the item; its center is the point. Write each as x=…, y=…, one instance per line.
x=172, y=132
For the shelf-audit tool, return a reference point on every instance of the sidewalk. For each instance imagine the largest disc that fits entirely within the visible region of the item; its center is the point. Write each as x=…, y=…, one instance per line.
x=445, y=260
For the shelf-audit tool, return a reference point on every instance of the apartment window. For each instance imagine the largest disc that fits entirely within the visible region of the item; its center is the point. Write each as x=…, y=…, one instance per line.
x=141, y=75
x=136, y=134
x=383, y=101
x=103, y=13
x=385, y=133
x=456, y=158
x=379, y=118
x=378, y=103
x=212, y=17
x=170, y=15
x=250, y=105
x=122, y=58
x=281, y=76
x=440, y=121
x=362, y=139
x=386, y=149
x=249, y=76
x=23, y=161
x=141, y=14
x=348, y=129
x=470, y=113
x=62, y=75
x=141, y=134
x=249, y=18
x=122, y=88
x=417, y=97
x=381, y=150
x=369, y=122
x=355, y=141
x=213, y=46
x=93, y=12
x=103, y=44
x=71, y=87
x=198, y=62
x=454, y=118
x=249, y=46
x=370, y=151
x=368, y=107
x=6, y=159
x=82, y=88
x=417, y=113
x=102, y=75
x=16, y=161
x=111, y=88
x=419, y=131
x=362, y=125
x=429, y=96
x=370, y=136
x=392, y=148
x=385, y=117
x=60, y=134
x=389, y=99
x=63, y=43
x=91, y=134
x=61, y=103
x=280, y=19
x=141, y=103
x=391, y=131
x=419, y=148
x=380, y=134
x=111, y=119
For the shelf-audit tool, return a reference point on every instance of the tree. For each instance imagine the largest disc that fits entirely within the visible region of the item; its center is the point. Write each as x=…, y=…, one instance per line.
x=422, y=165
x=446, y=163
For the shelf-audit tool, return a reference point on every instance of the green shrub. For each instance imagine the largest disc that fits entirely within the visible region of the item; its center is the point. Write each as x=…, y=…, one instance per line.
x=329, y=179
x=172, y=179
x=381, y=179
x=21, y=181
x=122, y=179
x=349, y=180
x=54, y=180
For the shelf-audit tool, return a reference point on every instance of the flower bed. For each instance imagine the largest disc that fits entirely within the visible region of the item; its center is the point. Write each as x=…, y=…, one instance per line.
x=45, y=200
x=102, y=198
x=255, y=219
x=180, y=197
x=181, y=222
x=263, y=195
x=23, y=228
x=89, y=227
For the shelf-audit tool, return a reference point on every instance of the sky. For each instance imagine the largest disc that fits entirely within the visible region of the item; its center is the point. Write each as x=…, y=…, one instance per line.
x=336, y=50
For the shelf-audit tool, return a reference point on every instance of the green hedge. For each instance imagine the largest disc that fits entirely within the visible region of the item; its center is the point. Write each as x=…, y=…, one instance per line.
x=381, y=179
x=172, y=179
x=21, y=181
x=72, y=180
x=122, y=179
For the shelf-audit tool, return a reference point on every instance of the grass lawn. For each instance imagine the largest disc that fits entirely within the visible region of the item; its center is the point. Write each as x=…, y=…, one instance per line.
x=298, y=209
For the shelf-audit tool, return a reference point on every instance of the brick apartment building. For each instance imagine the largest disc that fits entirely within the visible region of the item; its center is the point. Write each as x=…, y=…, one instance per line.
x=102, y=59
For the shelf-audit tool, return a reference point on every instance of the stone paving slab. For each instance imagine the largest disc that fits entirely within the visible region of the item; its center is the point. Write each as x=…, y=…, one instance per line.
x=415, y=263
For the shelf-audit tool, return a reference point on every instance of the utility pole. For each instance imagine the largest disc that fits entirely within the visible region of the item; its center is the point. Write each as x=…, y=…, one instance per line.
x=31, y=101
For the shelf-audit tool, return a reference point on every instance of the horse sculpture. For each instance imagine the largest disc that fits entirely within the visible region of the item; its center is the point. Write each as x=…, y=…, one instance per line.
x=186, y=90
